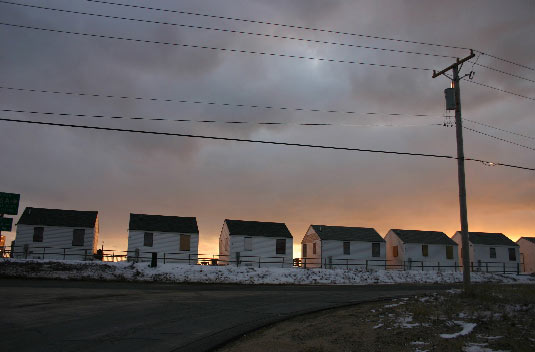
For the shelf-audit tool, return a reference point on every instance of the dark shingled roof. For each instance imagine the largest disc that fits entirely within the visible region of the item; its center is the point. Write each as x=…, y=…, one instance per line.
x=531, y=239
x=342, y=233
x=490, y=239
x=257, y=228
x=58, y=217
x=161, y=223
x=424, y=237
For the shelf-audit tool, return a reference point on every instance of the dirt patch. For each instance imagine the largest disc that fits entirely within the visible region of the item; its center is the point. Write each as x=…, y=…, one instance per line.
x=489, y=318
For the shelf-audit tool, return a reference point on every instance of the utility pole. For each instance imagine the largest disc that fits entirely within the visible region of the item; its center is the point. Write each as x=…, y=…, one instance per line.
x=465, y=251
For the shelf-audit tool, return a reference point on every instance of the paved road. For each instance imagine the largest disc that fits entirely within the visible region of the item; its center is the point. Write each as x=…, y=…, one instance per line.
x=40, y=315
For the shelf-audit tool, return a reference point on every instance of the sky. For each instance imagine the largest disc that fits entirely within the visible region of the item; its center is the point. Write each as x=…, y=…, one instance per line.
x=119, y=173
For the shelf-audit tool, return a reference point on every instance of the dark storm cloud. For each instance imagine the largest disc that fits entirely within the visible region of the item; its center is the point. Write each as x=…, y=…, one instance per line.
x=120, y=173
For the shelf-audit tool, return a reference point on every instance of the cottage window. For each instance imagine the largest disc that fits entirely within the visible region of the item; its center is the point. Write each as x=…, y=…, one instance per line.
x=512, y=254
x=449, y=252
x=347, y=248
x=493, y=252
x=281, y=246
x=425, y=250
x=395, y=251
x=376, y=249
x=38, y=234
x=148, y=238
x=247, y=243
x=78, y=237
x=304, y=250
x=185, y=241
x=314, y=248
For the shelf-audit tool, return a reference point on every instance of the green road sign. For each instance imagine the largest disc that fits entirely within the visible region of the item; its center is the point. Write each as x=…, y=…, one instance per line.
x=9, y=203
x=6, y=224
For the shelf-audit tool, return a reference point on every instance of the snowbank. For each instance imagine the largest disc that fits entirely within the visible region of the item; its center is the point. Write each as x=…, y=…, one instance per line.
x=123, y=271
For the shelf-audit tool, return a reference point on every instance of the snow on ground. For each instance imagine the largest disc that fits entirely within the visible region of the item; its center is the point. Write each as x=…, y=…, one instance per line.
x=77, y=270
x=467, y=328
x=479, y=347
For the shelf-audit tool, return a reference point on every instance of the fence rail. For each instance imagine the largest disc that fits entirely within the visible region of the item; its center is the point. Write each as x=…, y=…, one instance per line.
x=193, y=258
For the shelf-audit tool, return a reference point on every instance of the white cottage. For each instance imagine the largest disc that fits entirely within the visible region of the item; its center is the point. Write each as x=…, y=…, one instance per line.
x=175, y=239
x=255, y=243
x=490, y=251
x=421, y=250
x=527, y=253
x=56, y=234
x=342, y=247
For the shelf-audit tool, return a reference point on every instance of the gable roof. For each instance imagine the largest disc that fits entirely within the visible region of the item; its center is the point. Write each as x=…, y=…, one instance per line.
x=342, y=233
x=58, y=217
x=530, y=239
x=257, y=228
x=161, y=223
x=424, y=237
x=496, y=239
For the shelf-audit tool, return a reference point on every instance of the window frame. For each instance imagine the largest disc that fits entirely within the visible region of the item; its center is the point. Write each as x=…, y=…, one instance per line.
x=182, y=247
x=314, y=248
x=512, y=250
x=449, y=252
x=304, y=250
x=346, y=247
x=492, y=252
x=395, y=251
x=279, y=248
x=376, y=249
x=146, y=235
x=425, y=250
x=38, y=234
x=76, y=239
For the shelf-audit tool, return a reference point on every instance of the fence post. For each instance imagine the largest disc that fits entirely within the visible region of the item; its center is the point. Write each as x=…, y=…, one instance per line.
x=504, y=267
x=347, y=264
x=386, y=264
x=44, y=250
x=154, y=260
x=282, y=262
x=422, y=265
x=64, y=249
x=438, y=266
x=487, y=267
x=164, y=257
x=85, y=254
x=518, y=268
x=305, y=262
x=366, y=264
x=472, y=266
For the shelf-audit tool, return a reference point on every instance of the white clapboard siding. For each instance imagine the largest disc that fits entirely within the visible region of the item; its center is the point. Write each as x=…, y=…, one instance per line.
x=480, y=259
x=360, y=252
x=263, y=250
x=57, y=238
x=412, y=253
x=527, y=252
x=167, y=243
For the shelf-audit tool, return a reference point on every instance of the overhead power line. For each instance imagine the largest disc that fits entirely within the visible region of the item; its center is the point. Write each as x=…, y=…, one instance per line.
x=497, y=138
x=117, y=117
x=226, y=104
x=504, y=72
x=315, y=146
x=255, y=34
x=213, y=48
x=499, y=129
x=506, y=60
x=332, y=31
x=229, y=30
x=499, y=89
x=305, y=28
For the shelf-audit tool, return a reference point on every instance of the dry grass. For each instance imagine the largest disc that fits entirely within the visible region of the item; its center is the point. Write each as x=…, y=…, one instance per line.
x=506, y=312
